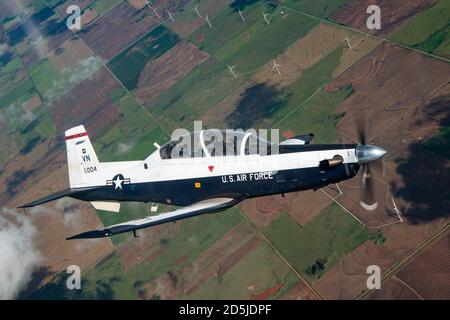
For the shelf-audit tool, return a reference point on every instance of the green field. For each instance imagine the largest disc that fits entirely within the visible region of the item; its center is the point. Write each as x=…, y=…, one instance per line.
x=18, y=94
x=268, y=105
x=318, y=8
x=187, y=15
x=428, y=31
x=251, y=43
x=212, y=40
x=260, y=105
x=36, y=132
x=143, y=147
x=54, y=3
x=128, y=65
x=128, y=211
x=318, y=116
x=11, y=74
x=193, y=95
x=103, y=6
x=37, y=4
x=52, y=83
x=328, y=237
x=440, y=143
x=260, y=268
x=136, y=129
x=30, y=128
x=108, y=279
x=45, y=76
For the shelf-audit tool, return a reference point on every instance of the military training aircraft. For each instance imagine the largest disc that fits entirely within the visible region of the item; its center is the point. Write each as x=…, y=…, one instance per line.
x=205, y=180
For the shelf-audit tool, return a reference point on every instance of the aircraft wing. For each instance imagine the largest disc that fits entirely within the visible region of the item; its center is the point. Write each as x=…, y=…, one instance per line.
x=202, y=207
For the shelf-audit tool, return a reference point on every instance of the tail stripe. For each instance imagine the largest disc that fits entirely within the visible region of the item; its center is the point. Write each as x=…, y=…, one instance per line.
x=78, y=135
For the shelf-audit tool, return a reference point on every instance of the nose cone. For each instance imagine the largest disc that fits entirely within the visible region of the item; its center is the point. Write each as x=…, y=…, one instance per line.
x=368, y=153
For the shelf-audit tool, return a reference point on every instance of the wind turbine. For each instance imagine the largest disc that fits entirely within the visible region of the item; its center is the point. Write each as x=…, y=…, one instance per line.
x=153, y=9
x=241, y=15
x=196, y=11
x=200, y=16
x=275, y=67
x=348, y=42
x=207, y=21
x=265, y=15
x=170, y=16
x=230, y=68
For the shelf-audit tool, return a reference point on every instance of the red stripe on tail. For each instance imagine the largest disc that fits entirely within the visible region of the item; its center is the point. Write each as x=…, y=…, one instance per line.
x=78, y=135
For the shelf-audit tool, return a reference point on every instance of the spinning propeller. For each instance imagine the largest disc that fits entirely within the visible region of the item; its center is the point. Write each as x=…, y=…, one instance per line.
x=368, y=156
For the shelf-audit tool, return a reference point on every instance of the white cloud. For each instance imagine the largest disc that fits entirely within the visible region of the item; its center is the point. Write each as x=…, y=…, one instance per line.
x=16, y=113
x=69, y=208
x=73, y=219
x=73, y=76
x=123, y=147
x=2, y=118
x=3, y=48
x=19, y=257
x=26, y=116
x=37, y=40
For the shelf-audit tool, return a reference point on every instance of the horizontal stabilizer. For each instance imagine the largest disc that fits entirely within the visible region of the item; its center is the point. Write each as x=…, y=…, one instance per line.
x=55, y=196
x=202, y=207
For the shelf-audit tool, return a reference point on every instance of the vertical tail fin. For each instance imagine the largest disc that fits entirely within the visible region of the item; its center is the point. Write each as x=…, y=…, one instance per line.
x=81, y=158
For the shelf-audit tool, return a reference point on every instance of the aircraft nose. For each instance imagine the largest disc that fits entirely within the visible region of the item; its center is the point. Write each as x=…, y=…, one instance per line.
x=368, y=153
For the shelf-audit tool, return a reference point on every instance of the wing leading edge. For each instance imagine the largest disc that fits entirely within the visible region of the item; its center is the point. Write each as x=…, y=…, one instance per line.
x=202, y=207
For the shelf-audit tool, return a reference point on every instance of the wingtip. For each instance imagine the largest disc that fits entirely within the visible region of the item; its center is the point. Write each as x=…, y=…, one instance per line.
x=91, y=234
x=24, y=206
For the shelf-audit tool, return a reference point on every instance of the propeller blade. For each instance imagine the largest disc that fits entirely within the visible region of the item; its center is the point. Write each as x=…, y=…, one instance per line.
x=361, y=132
x=368, y=201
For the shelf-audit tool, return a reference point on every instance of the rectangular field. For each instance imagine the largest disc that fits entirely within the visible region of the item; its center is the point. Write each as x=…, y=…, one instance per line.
x=315, y=247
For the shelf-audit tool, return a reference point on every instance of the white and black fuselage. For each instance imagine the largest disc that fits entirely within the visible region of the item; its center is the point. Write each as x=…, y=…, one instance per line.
x=184, y=181
x=204, y=180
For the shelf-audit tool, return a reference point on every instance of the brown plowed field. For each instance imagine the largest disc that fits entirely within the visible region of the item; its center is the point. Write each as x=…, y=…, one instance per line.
x=427, y=276
x=394, y=14
x=160, y=74
x=88, y=103
x=214, y=262
x=301, y=206
x=119, y=28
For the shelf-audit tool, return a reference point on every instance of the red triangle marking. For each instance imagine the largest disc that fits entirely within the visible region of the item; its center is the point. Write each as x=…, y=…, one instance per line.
x=211, y=168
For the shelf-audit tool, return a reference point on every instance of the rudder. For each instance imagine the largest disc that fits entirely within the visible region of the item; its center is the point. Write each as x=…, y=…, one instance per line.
x=82, y=160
